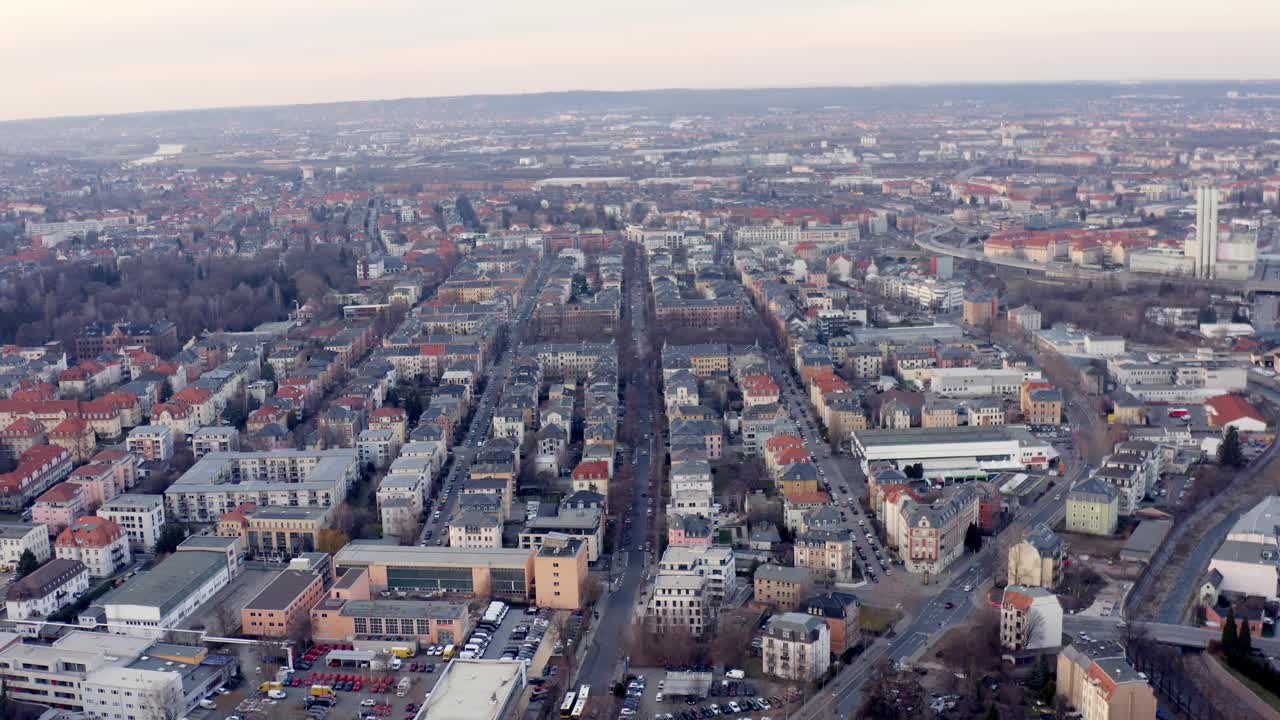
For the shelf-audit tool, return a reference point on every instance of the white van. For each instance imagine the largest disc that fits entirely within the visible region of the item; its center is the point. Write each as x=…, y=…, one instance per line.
x=395, y=663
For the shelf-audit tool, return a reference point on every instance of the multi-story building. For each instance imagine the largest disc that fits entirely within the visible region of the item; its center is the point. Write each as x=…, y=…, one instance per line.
x=782, y=587
x=60, y=505
x=1037, y=560
x=282, y=608
x=152, y=442
x=1043, y=406
x=140, y=516
x=585, y=524
x=111, y=676
x=931, y=536
x=561, y=568
x=678, y=603
x=1093, y=508
x=828, y=553
x=220, y=482
x=713, y=562
x=1030, y=619
x=99, y=543
x=214, y=439
x=475, y=530
x=47, y=589
x=1097, y=680
x=158, y=338
x=274, y=532
x=796, y=647
x=17, y=538
x=39, y=468
x=840, y=610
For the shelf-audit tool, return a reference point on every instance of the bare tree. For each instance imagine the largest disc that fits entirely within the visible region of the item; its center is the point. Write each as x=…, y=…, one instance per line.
x=225, y=619
x=1015, y=533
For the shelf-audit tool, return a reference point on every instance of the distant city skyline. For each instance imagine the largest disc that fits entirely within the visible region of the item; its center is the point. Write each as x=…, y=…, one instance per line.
x=90, y=58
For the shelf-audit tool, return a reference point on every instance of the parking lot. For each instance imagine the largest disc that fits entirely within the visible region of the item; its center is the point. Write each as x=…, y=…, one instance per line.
x=734, y=698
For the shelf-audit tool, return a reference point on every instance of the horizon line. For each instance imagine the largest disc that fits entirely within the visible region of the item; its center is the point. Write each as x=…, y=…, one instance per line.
x=670, y=89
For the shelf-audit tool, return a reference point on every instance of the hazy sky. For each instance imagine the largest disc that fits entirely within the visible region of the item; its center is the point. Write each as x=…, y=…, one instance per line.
x=73, y=57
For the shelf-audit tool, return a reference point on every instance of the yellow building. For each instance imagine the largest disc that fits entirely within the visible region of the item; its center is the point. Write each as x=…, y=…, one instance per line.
x=273, y=531
x=1093, y=508
x=1037, y=560
x=1101, y=685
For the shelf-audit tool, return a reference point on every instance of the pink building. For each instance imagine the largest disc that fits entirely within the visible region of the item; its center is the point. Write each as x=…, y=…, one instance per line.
x=60, y=505
x=689, y=530
x=123, y=463
x=99, y=480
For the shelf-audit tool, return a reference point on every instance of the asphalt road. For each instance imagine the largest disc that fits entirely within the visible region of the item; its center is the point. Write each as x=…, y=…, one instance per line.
x=972, y=574
x=618, y=607
x=446, y=494
x=844, y=493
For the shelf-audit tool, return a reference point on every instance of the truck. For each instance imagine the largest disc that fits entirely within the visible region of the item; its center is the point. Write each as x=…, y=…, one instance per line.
x=449, y=652
x=403, y=653
x=402, y=688
x=323, y=691
x=269, y=686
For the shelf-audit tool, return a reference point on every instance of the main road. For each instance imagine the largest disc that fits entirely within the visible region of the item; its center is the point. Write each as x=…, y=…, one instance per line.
x=617, y=609
x=436, y=523
x=971, y=575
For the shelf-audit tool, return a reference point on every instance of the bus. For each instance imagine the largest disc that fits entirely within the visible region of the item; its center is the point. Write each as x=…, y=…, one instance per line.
x=580, y=707
x=566, y=707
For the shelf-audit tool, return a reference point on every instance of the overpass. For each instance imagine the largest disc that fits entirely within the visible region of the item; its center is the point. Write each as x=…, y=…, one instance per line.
x=1109, y=628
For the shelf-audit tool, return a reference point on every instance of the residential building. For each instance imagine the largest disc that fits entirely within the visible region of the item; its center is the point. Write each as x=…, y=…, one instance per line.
x=60, y=505
x=214, y=439
x=796, y=647
x=49, y=588
x=99, y=543
x=782, y=587
x=1037, y=560
x=473, y=529
x=678, y=603
x=16, y=538
x=39, y=468
x=714, y=562
x=220, y=482
x=1093, y=508
x=840, y=611
x=1030, y=619
x=151, y=442
x=140, y=516
x=828, y=553
x=1097, y=680
x=931, y=536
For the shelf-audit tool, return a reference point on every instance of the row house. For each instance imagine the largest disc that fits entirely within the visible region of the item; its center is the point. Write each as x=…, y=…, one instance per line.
x=38, y=469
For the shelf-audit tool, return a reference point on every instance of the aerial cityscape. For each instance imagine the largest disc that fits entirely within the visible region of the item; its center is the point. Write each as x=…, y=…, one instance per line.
x=876, y=400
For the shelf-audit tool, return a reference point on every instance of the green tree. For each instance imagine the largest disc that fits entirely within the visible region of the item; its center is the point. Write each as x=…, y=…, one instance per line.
x=1229, y=452
x=171, y=535
x=27, y=563
x=1230, y=636
x=914, y=471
